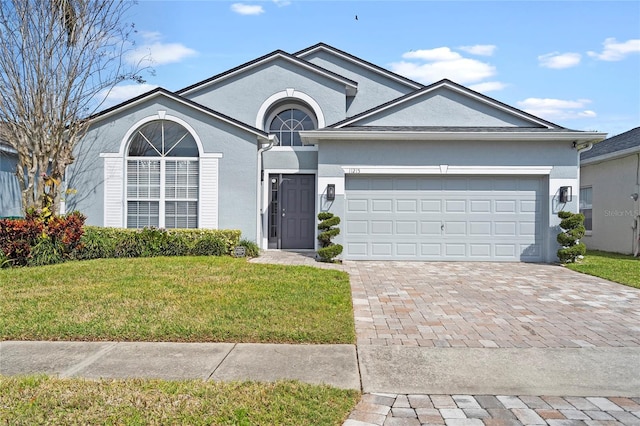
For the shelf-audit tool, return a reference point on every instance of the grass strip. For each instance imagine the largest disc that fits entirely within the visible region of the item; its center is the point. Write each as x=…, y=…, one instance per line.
x=620, y=268
x=176, y=299
x=42, y=400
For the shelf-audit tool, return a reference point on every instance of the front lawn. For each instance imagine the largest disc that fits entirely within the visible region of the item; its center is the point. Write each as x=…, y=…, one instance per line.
x=47, y=400
x=621, y=268
x=176, y=299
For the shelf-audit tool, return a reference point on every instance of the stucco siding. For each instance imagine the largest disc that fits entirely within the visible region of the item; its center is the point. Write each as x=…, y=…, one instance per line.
x=614, y=211
x=242, y=95
x=444, y=107
x=237, y=175
x=290, y=160
x=373, y=88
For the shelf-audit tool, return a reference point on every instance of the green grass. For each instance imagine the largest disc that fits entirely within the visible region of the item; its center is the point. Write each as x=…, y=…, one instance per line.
x=621, y=268
x=51, y=401
x=177, y=299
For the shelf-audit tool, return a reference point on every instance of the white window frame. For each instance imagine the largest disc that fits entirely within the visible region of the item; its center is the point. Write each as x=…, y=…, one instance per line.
x=584, y=206
x=114, y=186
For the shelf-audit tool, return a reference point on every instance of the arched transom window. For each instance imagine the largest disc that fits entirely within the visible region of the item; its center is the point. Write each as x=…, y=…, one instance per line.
x=286, y=122
x=162, y=177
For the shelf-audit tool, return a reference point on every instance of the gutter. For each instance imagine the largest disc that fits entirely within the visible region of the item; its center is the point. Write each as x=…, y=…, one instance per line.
x=271, y=141
x=314, y=136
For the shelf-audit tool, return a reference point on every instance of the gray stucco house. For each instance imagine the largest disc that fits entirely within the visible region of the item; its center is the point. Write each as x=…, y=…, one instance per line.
x=609, y=188
x=415, y=172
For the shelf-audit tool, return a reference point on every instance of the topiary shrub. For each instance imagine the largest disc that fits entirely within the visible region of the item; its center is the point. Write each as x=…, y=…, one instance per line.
x=327, y=226
x=573, y=230
x=209, y=245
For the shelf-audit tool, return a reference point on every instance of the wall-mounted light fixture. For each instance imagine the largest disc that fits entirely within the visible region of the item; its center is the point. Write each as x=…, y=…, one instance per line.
x=565, y=194
x=634, y=196
x=331, y=192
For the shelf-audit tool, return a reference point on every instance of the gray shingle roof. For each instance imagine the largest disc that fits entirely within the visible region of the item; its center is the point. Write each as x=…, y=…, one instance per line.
x=623, y=141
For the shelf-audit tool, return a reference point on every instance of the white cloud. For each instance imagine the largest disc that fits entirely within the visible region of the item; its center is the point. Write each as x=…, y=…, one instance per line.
x=154, y=52
x=281, y=3
x=553, y=109
x=480, y=49
x=437, y=54
x=617, y=51
x=124, y=92
x=247, y=9
x=558, y=60
x=488, y=86
x=432, y=65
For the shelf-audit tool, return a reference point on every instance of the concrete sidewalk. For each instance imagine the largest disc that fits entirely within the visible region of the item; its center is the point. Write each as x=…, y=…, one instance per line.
x=334, y=365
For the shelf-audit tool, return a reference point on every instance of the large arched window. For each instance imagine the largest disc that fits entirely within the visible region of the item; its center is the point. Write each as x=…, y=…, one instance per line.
x=288, y=120
x=162, y=177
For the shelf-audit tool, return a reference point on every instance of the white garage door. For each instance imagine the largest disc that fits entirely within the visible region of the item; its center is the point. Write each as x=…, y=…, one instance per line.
x=443, y=218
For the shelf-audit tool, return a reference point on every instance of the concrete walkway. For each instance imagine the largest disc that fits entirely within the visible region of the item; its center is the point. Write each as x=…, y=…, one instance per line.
x=334, y=365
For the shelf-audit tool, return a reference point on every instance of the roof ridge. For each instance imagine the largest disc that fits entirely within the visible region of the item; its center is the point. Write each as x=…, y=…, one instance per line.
x=358, y=59
x=258, y=60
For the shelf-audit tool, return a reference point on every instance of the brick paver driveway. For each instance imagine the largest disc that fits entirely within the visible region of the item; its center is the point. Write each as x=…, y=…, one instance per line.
x=502, y=305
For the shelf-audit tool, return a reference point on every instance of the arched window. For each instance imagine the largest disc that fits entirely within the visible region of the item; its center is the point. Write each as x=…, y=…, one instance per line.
x=162, y=177
x=288, y=120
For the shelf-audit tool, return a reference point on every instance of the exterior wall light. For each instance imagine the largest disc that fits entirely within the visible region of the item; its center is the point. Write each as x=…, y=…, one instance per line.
x=634, y=196
x=565, y=194
x=331, y=192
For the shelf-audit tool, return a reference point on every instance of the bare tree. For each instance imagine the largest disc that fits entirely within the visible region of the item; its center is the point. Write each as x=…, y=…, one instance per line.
x=59, y=59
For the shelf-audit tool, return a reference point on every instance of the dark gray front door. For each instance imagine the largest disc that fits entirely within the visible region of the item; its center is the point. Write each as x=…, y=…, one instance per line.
x=297, y=212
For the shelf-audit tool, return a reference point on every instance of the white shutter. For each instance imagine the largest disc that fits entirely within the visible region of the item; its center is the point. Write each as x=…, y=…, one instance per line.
x=113, y=192
x=208, y=215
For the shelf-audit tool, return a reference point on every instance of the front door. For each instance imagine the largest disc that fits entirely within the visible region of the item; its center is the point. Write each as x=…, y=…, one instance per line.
x=292, y=219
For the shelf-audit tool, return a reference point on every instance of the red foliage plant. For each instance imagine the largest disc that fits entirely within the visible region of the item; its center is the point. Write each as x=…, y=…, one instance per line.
x=19, y=236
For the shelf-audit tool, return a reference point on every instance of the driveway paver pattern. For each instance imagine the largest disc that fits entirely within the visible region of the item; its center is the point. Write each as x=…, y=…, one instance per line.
x=486, y=305
x=490, y=305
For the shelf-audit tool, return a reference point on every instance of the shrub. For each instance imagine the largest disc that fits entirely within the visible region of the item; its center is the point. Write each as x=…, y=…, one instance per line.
x=573, y=230
x=209, y=245
x=148, y=242
x=327, y=224
x=251, y=248
x=40, y=240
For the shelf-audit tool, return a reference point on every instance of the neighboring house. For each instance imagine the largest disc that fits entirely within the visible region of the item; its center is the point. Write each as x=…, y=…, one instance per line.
x=415, y=172
x=609, y=188
x=10, y=205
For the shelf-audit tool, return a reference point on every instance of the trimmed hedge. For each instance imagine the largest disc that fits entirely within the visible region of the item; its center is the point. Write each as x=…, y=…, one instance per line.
x=100, y=242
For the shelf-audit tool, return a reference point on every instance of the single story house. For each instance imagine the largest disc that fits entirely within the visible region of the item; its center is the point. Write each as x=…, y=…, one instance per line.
x=609, y=188
x=437, y=172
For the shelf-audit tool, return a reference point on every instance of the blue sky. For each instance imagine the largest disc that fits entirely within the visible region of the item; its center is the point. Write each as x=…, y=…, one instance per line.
x=573, y=63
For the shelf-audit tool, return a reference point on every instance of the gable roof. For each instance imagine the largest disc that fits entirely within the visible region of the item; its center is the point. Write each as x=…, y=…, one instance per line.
x=537, y=121
x=161, y=92
x=616, y=146
x=358, y=61
x=350, y=86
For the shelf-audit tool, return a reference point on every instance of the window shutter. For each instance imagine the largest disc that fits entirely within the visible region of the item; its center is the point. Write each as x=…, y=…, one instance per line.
x=208, y=216
x=113, y=192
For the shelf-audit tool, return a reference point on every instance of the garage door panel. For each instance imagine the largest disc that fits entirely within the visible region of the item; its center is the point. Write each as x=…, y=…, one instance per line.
x=408, y=227
x=428, y=206
x=480, y=206
x=480, y=250
x=455, y=206
x=444, y=218
x=357, y=205
x=381, y=227
x=381, y=206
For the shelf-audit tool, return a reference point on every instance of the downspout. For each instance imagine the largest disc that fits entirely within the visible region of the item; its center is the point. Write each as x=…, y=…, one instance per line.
x=272, y=140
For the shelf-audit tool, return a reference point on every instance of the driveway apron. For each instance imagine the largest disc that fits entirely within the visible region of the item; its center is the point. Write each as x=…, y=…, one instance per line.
x=494, y=328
